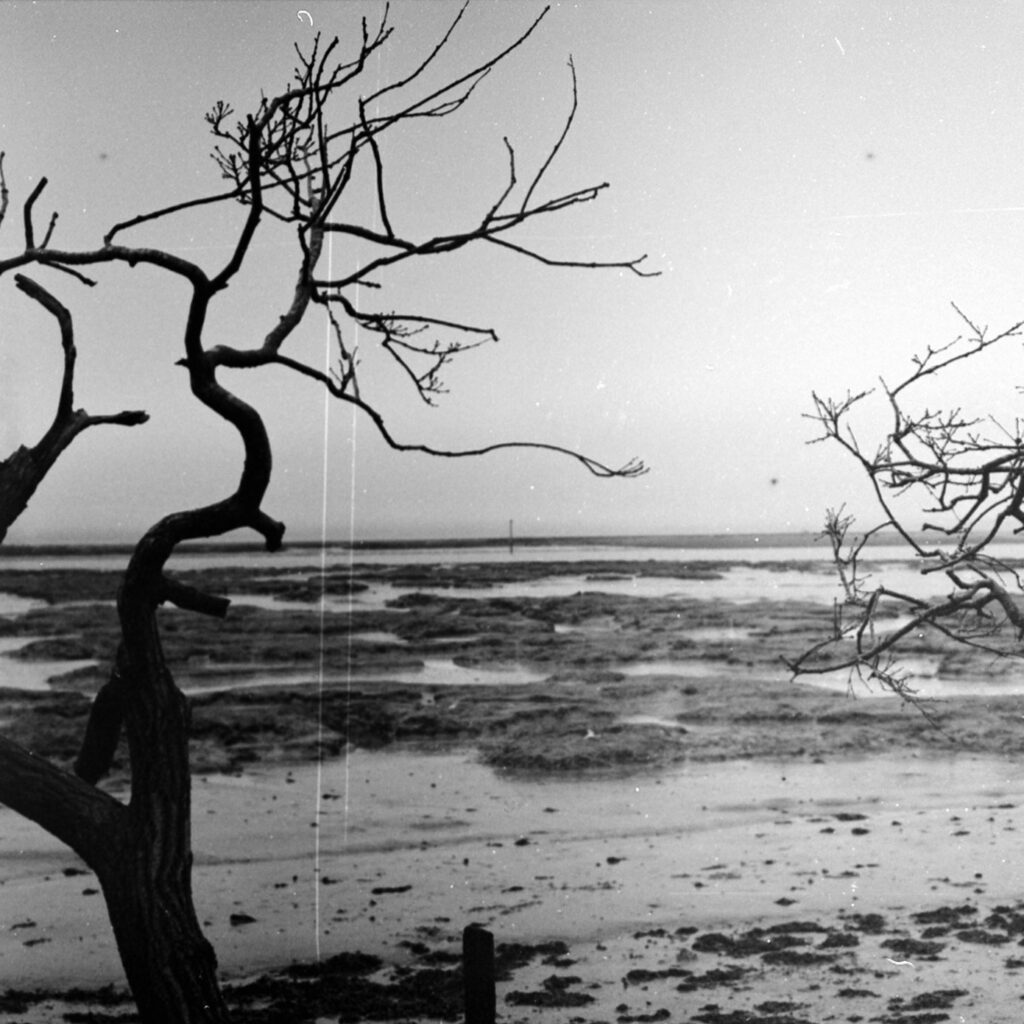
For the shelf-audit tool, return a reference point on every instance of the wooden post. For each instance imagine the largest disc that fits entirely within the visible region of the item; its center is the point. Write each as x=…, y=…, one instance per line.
x=511, y=538
x=478, y=974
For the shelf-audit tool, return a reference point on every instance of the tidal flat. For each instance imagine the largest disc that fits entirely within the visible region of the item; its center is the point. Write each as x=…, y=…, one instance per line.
x=617, y=714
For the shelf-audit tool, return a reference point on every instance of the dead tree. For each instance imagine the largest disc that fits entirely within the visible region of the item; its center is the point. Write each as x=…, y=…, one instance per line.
x=24, y=469
x=284, y=162
x=966, y=476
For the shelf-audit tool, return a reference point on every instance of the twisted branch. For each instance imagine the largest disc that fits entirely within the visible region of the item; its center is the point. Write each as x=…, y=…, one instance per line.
x=970, y=484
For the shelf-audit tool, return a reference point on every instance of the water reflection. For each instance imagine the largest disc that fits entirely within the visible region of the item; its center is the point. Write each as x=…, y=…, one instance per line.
x=769, y=575
x=31, y=675
x=439, y=672
x=11, y=605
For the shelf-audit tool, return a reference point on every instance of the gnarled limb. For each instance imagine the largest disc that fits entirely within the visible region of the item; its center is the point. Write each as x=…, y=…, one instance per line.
x=77, y=813
x=23, y=471
x=103, y=729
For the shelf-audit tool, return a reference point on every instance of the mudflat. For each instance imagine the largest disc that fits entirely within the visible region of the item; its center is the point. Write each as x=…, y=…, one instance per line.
x=624, y=787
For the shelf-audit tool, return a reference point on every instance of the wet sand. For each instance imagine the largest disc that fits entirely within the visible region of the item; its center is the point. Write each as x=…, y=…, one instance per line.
x=652, y=882
x=663, y=828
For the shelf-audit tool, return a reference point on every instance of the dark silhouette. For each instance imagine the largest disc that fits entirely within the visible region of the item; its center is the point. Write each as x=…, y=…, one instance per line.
x=965, y=476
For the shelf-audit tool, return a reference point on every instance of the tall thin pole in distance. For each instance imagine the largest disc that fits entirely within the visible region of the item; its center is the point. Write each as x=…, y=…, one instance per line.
x=511, y=539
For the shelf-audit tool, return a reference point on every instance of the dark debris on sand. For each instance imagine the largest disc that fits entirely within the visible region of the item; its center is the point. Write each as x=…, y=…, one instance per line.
x=776, y=974
x=571, y=721
x=348, y=988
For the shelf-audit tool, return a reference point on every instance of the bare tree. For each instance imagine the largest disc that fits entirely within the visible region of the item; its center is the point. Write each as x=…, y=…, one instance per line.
x=966, y=476
x=284, y=162
x=23, y=470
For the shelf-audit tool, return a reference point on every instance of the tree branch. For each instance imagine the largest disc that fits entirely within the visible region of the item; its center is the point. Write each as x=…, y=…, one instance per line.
x=558, y=145
x=632, y=468
x=30, y=242
x=971, y=487
x=5, y=195
x=24, y=470
x=65, y=403
x=632, y=265
x=78, y=814
x=103, y=729
x=191, y=599
x=165, y=211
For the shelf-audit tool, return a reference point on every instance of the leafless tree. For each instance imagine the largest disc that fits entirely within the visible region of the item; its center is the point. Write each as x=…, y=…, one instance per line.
x=966, y=476
x=286, y=162
x=23, y=470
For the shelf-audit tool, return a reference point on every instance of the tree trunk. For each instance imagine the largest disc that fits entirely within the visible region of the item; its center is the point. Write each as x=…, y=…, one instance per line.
x=170, y=966
x=146, y=876
x=141, y=854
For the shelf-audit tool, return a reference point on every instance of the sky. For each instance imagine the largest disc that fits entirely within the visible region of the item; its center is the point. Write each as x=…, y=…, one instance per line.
x=816, y=182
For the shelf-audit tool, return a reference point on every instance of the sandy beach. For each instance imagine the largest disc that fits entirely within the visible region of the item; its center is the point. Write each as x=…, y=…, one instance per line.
x=664, y=828
x=829, y=889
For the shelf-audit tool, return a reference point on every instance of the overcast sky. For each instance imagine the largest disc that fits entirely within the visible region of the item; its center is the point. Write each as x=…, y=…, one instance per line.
x=816, y=181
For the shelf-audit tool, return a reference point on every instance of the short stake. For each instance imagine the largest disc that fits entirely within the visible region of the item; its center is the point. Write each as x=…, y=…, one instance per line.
x=478, y=974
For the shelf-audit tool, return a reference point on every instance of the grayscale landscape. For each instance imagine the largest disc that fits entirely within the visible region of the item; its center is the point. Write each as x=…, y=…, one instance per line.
x=511, y=512
x=593, y=750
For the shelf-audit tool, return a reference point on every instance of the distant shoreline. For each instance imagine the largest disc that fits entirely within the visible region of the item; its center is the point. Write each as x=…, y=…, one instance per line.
x=683, y=541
